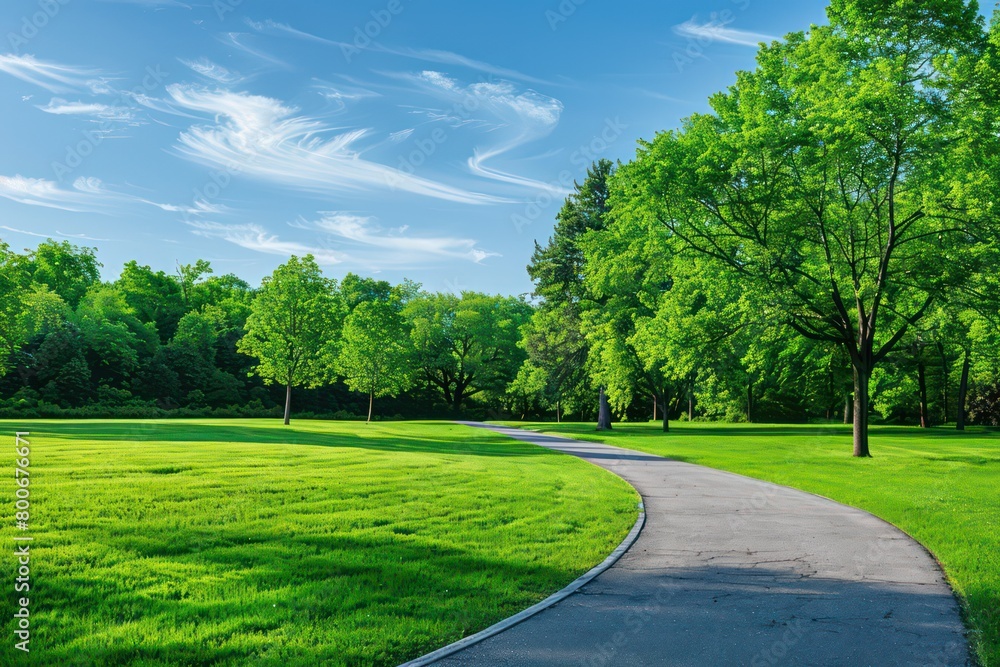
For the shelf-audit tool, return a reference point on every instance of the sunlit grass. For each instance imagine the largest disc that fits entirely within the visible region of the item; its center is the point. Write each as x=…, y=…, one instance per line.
x=243, y=542
x=939, y=485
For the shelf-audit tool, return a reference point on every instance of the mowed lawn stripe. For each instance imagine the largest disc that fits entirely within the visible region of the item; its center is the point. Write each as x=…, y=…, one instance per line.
x=241, y=542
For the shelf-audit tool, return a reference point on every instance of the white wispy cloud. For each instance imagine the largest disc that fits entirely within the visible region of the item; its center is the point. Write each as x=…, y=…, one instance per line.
x=339, y=96
x=211, y=70
x=268, y=26
x=263, y=138
x=56, y=235
x=82, y=196
x=392, y=247
x=402, y=135
x=54, y=77
x=254, y=237
x=717, y=31
x=82, y=237
x=86, y=195
x=97, y=110
x=156, y=4
x=521, y=117
x=450, y=58
x=197, y=207
x=239, y=40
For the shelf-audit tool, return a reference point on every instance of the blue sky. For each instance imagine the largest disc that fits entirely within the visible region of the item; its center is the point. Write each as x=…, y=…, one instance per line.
x=396, y=138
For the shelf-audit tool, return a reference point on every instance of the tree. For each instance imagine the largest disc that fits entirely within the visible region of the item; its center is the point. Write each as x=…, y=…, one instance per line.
x=12, y=306
x=66, y=269
x=375, y=355
x=60, y=368
x=627, y=297
x=556, y=346
x=43, y=310
x=294, y=327
x=466, y=346
x=555, y=340
x=154, y=296
x=115, y=338
x=825, y=178
x=188, y=275
x=228, y=292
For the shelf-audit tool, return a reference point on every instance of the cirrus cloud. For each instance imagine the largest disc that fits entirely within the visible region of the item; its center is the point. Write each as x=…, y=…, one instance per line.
x=261, y=137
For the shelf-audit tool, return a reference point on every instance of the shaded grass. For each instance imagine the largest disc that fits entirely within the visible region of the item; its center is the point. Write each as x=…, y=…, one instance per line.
x=242, y=542
x=938, y=485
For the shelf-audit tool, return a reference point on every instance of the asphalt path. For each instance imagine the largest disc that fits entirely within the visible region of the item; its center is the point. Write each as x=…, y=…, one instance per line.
x=730, y=570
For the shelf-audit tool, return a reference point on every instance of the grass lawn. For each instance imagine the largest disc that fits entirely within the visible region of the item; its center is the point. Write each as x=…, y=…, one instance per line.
x=240, y=542
x=939, y=485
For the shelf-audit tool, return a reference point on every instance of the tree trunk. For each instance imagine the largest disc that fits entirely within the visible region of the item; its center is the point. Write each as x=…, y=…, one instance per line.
x=847, y=408
x=603, y=412
x=861, y=380
x=922, y=389
x=558, y=410
x=694, y=377
x=666, y=411
x=963, y=393
x=371, y=402
x=288, y=404
x=945, y=389
x=654, y=407
x=749, y=402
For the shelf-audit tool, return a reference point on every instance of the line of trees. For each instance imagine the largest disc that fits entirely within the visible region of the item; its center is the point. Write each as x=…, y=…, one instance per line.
x=192, y=343
x=826, y=234
x=822, y=244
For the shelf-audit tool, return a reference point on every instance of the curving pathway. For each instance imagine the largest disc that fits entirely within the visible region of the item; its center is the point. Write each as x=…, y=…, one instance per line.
x=730, y=570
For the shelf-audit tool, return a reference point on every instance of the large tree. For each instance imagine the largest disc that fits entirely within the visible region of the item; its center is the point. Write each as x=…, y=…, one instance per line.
x=376, y=352
x=467, y=345
x=825, y=177
x=155, y=297
x=555, y=339
x=115, y=337
x=66, y=269
x=294, y=327
x=12, y=304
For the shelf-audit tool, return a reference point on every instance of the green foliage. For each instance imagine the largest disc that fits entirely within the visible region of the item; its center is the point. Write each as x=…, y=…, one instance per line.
x=555, y=339
x=154, y=296
x=376, y=352
x=557, y=269
x=555, y=345
x=12, y=306
x=115, y=337
x=467, y=346
x=188, y=276
x=825, y=179
x=66, y=269
x=294, y=325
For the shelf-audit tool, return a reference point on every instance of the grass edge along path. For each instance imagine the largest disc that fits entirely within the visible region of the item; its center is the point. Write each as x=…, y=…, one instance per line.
x=938, y=485
x=231, y=542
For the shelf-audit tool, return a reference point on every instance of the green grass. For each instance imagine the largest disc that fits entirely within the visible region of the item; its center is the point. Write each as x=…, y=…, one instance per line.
x=938, y=485
x=246, y=543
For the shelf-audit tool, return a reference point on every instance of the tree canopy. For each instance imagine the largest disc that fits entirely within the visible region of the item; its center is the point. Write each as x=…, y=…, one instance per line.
x=294, y=326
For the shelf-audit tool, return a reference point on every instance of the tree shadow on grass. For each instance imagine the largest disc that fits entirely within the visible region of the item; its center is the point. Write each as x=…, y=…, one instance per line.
x=765, y=430
x=318, y=593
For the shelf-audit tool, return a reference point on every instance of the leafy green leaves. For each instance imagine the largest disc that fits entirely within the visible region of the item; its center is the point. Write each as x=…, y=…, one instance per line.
x=294, y=325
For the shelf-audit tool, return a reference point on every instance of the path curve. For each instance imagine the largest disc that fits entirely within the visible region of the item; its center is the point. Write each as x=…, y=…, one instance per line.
x=730, y=570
